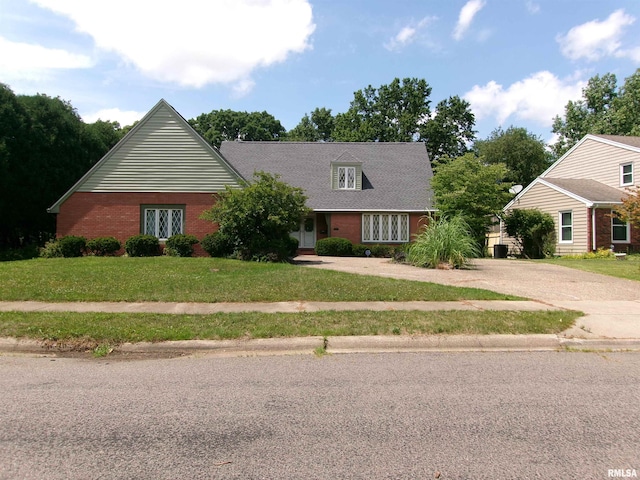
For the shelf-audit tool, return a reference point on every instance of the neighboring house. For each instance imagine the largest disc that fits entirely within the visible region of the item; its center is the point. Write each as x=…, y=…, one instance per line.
x=162, y=175
x=579, y=191
x=366, y=192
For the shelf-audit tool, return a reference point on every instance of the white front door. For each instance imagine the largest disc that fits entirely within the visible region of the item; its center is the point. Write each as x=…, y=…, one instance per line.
x=306, y=233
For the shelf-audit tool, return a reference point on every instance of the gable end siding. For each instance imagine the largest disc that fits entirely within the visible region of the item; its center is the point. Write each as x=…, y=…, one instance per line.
x=162, y=156
x=597, y=161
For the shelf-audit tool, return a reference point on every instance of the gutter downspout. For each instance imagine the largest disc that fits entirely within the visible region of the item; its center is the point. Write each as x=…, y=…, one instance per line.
x=593, y=229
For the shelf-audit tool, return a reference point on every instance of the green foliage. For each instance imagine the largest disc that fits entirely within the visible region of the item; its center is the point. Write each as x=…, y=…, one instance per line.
x=599, y=253
x=44, y=148
x=524, y=154
x=22, y=253
x=220, y=125
x=318, y=127
x=603, y=109
x=468, y=187
x=51, y=249
x=450, y=130
x=443, y=241
x=533, y=230
x=72, y=246
x=142, y=246
x=334, y=247
x=217, y=244
x=103, y=246
x=629, y=211
x=258, y=219
x=180, y=245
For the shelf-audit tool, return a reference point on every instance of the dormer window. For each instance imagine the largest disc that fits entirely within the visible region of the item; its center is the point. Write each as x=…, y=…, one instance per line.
x=346, y=178
x=626, y=174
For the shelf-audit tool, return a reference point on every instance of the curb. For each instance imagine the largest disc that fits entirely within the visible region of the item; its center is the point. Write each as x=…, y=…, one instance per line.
x=343, y=345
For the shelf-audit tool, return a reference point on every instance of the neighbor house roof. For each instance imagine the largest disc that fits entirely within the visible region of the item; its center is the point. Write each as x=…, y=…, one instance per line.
x=395, y=176
x=623, y=139
x=589, y=190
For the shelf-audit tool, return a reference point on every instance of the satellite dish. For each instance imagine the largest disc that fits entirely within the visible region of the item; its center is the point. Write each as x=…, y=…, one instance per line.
x=516, y=189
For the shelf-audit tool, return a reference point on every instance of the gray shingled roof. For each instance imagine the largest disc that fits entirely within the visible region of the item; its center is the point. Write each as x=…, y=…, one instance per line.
x=590, y=190
x=625, y=140
x=396, y=176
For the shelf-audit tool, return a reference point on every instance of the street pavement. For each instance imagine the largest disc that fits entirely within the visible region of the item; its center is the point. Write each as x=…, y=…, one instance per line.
x=612, y=323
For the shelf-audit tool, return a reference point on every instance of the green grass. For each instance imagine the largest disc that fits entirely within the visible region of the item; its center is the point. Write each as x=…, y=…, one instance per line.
x=629, y=268
x=99, y=331
x=171, y=279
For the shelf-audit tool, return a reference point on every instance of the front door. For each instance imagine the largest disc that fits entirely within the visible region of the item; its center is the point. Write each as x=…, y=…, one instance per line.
x=306, y=233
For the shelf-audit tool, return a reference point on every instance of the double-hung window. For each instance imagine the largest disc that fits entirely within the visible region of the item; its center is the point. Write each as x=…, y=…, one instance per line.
x=566, y=227
x=619, y=230
x=346, y=178
x=163, y=222
x=385, y=227
x=626, y=174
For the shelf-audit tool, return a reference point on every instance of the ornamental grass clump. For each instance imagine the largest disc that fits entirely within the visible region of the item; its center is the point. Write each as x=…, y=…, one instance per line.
x=444, y=241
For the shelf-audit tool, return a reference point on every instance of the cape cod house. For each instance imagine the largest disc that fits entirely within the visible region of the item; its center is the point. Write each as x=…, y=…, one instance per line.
x=579, y=191
x=162, y=175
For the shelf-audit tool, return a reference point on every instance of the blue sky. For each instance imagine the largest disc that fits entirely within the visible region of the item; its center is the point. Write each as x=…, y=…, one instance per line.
x=517, y=62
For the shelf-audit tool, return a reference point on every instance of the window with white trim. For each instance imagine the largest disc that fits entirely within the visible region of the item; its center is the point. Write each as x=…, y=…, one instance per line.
x=626, y=174
x=346, y=178
x=385, y=227
x=619, y=230
x=163, y=222
x=566, y=227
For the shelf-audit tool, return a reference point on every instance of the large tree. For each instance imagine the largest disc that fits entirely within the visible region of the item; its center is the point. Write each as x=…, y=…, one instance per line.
x=603, y=109
x=44, y=148
x=469, y=187
x=390, y=113
x=219, y=125
x=524, y=154
x=450, y=131
x=315, y=128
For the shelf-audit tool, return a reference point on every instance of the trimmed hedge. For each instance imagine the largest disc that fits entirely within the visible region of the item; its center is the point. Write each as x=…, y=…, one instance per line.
x=142, y=246
x=217, y=244
x=334, y=246
x=180, y=245
x=72, y=246
x=103, y=246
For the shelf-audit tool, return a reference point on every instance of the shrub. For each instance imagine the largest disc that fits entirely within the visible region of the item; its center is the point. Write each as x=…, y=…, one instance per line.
x=103, y=246
x=533, y=230
x=334, y=246
x=599, y=253
x=381, y=251
x=217, y=244
x=72, y=246
x=180, y=245
x=359, y=249
x=51, y=249
x=445, y=240
x=142, y=246
x=21, y=253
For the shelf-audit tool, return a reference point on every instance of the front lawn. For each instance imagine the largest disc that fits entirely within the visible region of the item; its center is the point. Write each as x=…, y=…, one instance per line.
x=172, y=279
x=629, y=268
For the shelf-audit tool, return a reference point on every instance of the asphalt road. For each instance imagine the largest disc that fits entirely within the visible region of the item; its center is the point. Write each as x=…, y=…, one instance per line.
x=396, y=416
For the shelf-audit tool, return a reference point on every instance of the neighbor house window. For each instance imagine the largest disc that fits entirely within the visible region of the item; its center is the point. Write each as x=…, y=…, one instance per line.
x=385, y=227
x=163, y=222
x=619, y=230
x=347, y=178
x=566, y=227
x=626, y=174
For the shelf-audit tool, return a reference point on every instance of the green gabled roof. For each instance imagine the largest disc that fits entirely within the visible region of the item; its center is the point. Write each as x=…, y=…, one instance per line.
x=162, y=153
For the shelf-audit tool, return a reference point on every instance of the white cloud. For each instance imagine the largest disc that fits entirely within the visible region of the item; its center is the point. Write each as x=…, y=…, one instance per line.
x=123, y=117
x=594, y=40
x=408, y=34
x=532, y=7
x=194, y=42
x=537, y=98
x=467, y=13
x=24, y=61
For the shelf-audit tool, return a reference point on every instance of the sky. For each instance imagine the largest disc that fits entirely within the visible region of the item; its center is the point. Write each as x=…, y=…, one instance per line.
x=518, y=62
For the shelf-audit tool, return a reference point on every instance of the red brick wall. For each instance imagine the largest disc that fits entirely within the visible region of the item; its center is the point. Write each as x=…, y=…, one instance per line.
x=603, y=233
x=94, y=215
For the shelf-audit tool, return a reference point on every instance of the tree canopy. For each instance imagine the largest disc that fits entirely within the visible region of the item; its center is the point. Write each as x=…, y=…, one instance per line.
x=450, y=130
x=315, y=128
x=468, y=186
x=44, y=148
x=220, y=125
x=524, y=154
x=604, y=108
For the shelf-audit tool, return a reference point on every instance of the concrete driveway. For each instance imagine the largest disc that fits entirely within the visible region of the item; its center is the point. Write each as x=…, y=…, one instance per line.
x=612, y=304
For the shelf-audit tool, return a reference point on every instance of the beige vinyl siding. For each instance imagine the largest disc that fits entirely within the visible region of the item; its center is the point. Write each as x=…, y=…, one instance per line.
x=597, y=161
x=163, y=155
x=552, y=202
